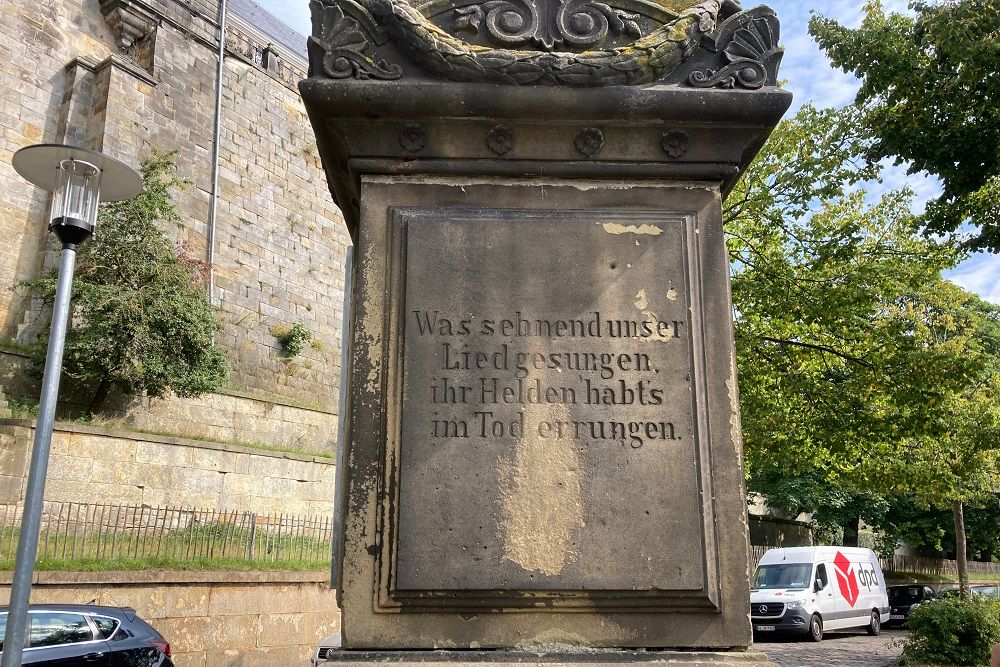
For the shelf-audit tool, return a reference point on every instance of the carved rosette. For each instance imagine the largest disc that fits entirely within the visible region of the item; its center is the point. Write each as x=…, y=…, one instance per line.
x=413, y=137
x=589, y=141
x=501, y=139
x=675, y=143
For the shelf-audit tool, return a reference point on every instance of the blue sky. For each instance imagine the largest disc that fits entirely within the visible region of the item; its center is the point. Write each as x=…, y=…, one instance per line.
x=810, y=78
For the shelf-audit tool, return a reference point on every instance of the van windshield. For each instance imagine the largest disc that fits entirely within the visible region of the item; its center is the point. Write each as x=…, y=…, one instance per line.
x=790, y=575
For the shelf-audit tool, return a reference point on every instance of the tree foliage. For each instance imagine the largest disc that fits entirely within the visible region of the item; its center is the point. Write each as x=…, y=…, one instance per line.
x=141, y=321
x=931, y=92
x=815, y=267
x=864, y=377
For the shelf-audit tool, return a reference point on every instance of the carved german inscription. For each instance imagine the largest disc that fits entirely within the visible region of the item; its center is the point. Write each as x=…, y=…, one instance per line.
x=549, y=421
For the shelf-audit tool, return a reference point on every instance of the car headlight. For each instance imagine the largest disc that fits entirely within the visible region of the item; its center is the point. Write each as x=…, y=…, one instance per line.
x=794, y=604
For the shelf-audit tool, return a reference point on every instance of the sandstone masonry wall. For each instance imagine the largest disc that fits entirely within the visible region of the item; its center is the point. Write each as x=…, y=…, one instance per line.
x=98, y=465
x=211, y=619
x=280, y=240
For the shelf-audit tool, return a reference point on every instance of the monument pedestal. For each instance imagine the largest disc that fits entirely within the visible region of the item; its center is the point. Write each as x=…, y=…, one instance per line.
x=542, y=434
x=595, y=658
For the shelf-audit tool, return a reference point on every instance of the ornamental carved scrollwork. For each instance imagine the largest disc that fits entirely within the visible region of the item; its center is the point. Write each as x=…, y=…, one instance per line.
x=346, y=43
x=642, y=61
x=130, y=24
x=573, y=24
x=547, y=42
x=751, y=43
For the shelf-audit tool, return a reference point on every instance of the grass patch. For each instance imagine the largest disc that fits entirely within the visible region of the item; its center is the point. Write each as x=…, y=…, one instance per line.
x=22, y=408
x=143, y=543
x=902, y=577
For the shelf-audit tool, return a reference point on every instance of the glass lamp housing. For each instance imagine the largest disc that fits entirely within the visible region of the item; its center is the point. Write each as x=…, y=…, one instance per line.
x=73, y=216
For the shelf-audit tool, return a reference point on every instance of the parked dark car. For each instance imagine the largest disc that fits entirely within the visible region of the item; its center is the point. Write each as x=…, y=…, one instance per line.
x=904, y=599
x=73, y=635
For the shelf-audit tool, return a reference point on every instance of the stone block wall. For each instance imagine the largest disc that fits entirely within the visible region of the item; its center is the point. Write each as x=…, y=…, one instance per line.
x=228, y=416
x=212, y=619
x=280, y=241
x=98, y=465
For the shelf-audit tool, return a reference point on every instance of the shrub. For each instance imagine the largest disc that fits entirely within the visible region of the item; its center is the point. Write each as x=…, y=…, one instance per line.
x=293, y=339
x=141, y=319
x=953, y=632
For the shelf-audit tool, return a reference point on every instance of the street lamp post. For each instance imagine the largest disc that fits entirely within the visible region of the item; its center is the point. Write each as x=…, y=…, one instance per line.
x=78, y=179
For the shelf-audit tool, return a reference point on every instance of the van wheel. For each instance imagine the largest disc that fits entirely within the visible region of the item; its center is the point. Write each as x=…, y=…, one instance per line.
x=875, y=625
x=816, y=628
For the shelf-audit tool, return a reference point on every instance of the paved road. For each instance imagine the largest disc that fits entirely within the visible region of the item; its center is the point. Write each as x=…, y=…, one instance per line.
x=836, y=650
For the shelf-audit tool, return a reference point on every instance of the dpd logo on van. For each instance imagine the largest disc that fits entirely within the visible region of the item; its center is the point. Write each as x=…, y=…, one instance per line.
x=847, y=579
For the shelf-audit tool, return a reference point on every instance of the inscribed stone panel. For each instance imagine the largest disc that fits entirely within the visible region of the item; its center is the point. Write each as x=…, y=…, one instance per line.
x=548, y=432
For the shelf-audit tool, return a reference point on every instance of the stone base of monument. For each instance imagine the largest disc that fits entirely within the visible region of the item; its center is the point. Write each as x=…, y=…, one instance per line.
x=541, y=444
x=582, y=658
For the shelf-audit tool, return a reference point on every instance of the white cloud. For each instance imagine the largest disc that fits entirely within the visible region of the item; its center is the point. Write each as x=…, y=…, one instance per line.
x=981, y=275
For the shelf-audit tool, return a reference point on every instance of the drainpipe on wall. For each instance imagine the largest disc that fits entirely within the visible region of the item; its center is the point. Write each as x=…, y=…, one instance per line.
x=216, y=132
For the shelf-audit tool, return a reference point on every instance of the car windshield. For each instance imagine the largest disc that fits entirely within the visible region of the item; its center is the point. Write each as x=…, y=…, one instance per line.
x=905, y=594
x=790, y=575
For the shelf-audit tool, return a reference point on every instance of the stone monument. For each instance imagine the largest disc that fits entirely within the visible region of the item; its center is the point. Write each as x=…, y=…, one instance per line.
x=542, y=459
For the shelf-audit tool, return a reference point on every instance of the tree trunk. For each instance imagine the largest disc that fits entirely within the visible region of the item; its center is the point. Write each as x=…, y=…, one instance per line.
x=102, y=394
x=960, y=550
x=851, y=531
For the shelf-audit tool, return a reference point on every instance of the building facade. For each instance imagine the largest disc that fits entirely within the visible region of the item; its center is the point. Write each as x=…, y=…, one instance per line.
x=129, y=77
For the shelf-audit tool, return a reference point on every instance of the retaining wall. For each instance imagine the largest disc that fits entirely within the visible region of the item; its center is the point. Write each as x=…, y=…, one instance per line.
x=211, y=619
x=97, y=465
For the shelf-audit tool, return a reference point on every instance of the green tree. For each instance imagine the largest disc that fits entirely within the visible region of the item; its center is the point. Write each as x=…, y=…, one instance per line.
x=815, y=271
x=930, y=89
x=932, y=529
x=141, y=321
x=950, y=402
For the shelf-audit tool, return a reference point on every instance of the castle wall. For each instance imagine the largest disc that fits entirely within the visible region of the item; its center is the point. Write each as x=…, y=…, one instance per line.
x=280, y=240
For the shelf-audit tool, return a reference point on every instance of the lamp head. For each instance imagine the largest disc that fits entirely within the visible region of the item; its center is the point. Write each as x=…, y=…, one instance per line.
x=78, y=179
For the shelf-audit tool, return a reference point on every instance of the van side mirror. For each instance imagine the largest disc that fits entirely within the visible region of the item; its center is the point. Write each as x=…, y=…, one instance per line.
x=818, y=586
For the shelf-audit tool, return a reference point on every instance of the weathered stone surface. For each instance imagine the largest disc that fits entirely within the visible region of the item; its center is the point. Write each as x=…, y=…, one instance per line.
x=539, y=659
x=529, y=408
x=198, y=618
x=543, y=440
x=541, y=524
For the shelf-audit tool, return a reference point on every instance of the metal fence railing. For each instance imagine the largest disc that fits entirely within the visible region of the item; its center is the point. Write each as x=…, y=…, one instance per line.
x=161, y=536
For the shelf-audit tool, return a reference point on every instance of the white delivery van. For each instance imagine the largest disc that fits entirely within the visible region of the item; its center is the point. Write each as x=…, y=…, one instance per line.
x=814, y=589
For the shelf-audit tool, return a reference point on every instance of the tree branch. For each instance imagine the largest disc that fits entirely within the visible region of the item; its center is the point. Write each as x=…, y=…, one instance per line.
x=820, y=348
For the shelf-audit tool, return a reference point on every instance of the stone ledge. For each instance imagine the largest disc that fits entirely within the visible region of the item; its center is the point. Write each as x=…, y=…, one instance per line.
x=285, y=401
x=114, y=60
x=156, y=577
x=65, y=427
x=249, y=395
x=588, y=658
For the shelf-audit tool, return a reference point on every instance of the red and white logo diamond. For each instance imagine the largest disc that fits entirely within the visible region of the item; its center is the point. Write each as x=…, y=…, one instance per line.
x=847, y=579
